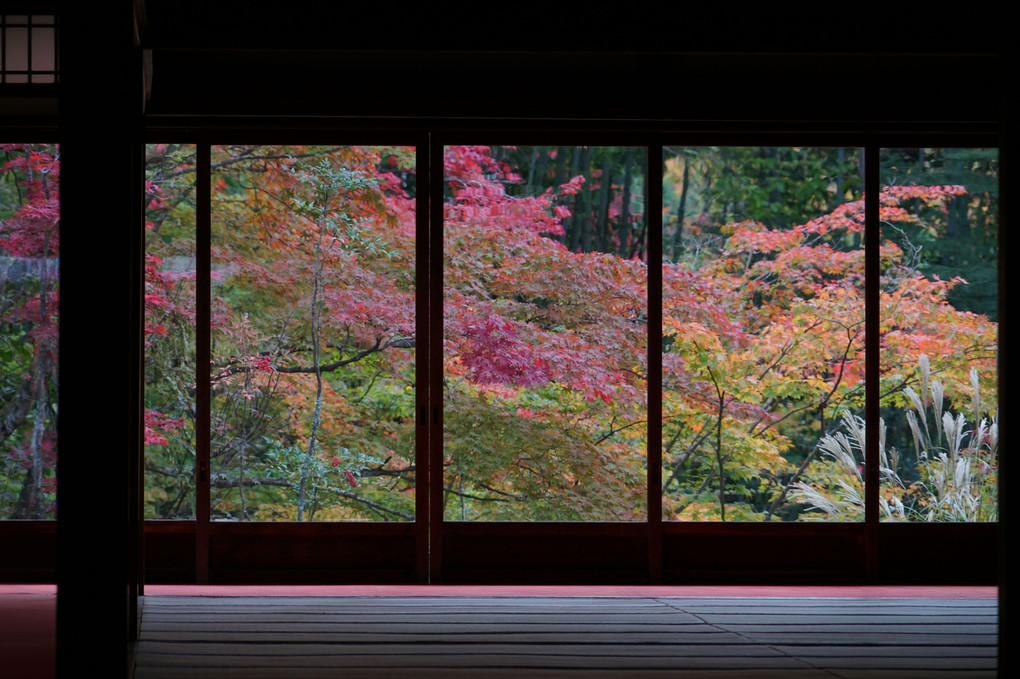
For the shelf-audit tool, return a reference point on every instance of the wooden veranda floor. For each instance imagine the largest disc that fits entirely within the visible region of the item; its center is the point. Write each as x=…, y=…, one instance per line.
x=525, y=637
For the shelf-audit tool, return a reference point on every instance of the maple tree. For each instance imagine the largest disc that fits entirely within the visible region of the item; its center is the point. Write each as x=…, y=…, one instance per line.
x=545, y=329
x=311, y=371
x=545, y=352
x=29, y=299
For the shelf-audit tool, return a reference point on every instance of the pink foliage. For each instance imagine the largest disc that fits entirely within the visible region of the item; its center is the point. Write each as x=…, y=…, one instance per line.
x=495, y=354
x=156, y=424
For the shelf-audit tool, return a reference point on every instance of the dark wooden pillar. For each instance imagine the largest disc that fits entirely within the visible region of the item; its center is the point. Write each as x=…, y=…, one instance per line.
x=98, y=428
x=1007, y=359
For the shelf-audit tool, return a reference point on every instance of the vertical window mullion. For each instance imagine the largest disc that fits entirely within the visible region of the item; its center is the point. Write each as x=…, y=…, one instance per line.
x=653, y=212
x=872, y=347
x=28, y=47
x=136, y=460
x=434, y=412
x=56, y=48
x=203, y=286
x=422, y=354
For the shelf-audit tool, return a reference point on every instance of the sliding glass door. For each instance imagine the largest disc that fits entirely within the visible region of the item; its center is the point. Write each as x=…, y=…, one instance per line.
x=288, y=272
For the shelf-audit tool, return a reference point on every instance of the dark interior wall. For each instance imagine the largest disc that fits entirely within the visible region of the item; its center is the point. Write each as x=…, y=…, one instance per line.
x=695, y=62
x=639, y=25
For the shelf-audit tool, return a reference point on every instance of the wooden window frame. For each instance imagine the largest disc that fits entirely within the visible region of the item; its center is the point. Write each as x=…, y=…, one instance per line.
x=648, y=552
x=26, y=82
x=653, y=551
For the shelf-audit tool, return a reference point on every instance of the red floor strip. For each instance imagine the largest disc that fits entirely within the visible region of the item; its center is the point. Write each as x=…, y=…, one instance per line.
x=575, y=590
x=928, y=591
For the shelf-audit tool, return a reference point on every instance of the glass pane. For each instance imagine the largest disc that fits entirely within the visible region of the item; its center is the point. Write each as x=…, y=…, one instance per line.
x=313, y=321
x=16, y=49
x=763, y=333
x=170, y=331
x=939, y=334
x=43, y=49
x=545, y=317
x=15, y=46
x=29, y=329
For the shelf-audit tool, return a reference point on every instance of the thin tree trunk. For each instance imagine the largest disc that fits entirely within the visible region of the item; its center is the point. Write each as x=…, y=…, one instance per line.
x=719, y=459
x=316, y=341
x=721, y=396
x=36, y=508
x=840, y=160
x=577, y=218
x=16, y=409
x=559, y=177
x=586, y=224
x=625, y=230
x=536, y=170
x=602, y=235
x=681, y=211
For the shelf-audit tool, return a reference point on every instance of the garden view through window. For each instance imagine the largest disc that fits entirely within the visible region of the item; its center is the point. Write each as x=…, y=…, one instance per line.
x=312, y=369
x=763, y=324
x=545, y=325
x=29, y=325
x=545, y=342
x=170, y=262
x=939, y=311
